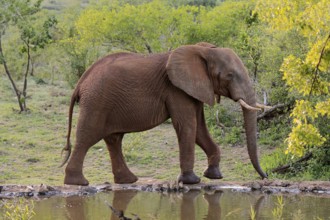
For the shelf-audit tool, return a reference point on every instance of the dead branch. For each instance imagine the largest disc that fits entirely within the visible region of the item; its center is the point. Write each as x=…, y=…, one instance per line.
x=284, y=169
x=120, y=213
x=272, y=112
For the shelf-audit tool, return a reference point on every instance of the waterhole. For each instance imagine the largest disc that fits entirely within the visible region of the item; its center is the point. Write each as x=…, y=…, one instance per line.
x=224, y=204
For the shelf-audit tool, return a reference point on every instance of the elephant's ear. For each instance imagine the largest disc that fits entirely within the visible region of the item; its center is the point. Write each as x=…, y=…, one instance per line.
x=187, y=69
x=205, y=44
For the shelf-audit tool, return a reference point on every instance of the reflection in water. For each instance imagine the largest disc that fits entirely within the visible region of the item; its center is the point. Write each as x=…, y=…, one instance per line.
x=187, y=206
x=257, y=206
x=75, y=207
x=121, y=199
x=214, y=211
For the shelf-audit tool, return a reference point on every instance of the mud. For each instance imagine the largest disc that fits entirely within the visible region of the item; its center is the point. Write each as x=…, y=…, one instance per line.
x=321, y=188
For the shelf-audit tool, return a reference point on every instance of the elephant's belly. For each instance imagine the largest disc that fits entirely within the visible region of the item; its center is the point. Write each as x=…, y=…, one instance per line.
x=139, y=116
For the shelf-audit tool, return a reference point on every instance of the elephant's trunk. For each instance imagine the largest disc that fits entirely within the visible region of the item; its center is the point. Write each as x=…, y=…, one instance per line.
x=250, y=124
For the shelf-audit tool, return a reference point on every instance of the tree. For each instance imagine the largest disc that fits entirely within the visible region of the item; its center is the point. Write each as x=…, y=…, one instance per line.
x=146, y=28
x=307, y=75
x=219, y=25
x=22, y=14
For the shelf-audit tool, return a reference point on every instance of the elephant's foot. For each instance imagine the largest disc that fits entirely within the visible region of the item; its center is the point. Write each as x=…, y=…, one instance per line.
x=213, y=172
x=75, y=178
x=127, y=178
x=213, y=199
x=188, y=177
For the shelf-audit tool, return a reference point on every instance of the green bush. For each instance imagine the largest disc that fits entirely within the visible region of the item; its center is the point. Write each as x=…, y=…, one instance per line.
x=234, y=136
x=224, y=123
x=274, y=132
x=20, y=209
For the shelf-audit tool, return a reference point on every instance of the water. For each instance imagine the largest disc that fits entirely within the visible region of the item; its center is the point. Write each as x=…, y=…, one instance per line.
x=188, y=206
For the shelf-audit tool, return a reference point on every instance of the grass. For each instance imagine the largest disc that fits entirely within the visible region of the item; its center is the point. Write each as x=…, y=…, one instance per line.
x=21, y=209
x=31, y=143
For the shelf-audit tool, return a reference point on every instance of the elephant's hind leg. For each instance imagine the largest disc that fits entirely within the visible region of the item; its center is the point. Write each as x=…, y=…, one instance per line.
x=89, y=132
x=121, y=172
x=74, y=169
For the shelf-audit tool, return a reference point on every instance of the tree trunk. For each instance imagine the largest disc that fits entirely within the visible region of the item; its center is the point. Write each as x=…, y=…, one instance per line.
x=26, y=74
x=17, y=92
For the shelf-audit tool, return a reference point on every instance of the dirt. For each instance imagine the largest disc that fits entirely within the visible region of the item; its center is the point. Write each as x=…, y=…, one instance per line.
x=317, y=188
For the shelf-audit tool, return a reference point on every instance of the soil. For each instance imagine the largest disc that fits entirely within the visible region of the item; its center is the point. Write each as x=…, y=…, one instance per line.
x=317, y=188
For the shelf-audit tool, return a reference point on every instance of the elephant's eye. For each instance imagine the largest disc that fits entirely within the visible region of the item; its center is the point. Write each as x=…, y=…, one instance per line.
x=230, y=75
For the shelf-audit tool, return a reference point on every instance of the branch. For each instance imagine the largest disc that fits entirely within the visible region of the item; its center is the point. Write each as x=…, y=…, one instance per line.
x=148, y=48
x=283, y=169
x=147, y=45
x=120, y=213
x=316, y=71
x=27, y=43
x=273, y=110
x=17, y=92
x=219, y=124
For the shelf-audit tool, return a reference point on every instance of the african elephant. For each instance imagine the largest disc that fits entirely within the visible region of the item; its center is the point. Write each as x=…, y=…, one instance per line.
x=128, y=92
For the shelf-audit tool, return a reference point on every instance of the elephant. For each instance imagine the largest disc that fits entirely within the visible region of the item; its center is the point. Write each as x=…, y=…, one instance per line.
x=130, y=92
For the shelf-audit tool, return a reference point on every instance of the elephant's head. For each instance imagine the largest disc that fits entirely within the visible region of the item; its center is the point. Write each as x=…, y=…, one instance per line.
x=203, y=71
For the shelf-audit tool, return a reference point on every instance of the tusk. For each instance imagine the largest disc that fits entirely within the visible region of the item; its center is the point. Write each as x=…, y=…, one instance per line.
x=245, y=105
x=263, y=106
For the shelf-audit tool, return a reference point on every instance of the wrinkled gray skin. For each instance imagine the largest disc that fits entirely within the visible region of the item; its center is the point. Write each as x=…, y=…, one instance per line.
x=129, y=92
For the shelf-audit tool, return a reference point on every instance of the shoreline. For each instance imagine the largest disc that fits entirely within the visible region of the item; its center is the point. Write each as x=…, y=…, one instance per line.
x=314, y=188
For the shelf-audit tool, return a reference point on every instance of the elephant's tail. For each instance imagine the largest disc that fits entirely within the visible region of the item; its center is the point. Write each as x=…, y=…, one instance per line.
x=67, y=148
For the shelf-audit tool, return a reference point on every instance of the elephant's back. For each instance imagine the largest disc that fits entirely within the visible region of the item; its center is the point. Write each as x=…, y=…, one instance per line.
x=136, y=84
x=97, y=67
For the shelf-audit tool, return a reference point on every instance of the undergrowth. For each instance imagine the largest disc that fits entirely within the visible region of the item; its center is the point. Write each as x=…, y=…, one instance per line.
x=18, y=209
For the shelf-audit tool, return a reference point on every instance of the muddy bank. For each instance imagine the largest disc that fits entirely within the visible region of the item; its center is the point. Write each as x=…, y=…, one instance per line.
x=320, y=188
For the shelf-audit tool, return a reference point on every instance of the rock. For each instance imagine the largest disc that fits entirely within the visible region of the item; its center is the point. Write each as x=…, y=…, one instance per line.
x=255, y=186
x=269, y=190
x=104, y=187
x=42, y=188
x=89, y=190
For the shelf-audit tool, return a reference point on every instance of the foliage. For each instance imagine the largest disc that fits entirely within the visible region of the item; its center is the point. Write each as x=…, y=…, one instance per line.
x=253, y=213
x=225, y=126
x=33, y=35
x=273, y=132
x=275, y=159
x=20, y=209
x=278, y=210
x=150, y=27
x=219, y=25
x=307, y=75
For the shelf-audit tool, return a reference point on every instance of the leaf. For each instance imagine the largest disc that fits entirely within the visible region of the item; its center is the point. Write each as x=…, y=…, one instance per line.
x=323, y=108
x=303, y=136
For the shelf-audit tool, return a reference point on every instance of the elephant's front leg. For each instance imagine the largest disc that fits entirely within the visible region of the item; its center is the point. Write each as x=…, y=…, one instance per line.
x=211, y=149
x=183, y=109
x=121, y=172
x=186, y=132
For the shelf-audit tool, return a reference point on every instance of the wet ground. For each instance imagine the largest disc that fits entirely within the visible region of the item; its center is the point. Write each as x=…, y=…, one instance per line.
x=265, y=186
